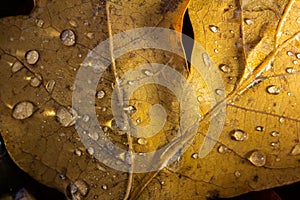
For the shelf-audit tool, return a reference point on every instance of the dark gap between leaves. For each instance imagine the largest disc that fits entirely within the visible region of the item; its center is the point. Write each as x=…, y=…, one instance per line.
x=187, y=29
x=16, y=7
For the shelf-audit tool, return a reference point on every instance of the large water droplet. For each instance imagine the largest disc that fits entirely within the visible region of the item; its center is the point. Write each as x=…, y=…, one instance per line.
x=225, y=68
x=16, y=66
x=66, y=116
x=68, y=37
x=298, y=55
x=273, y=89
x=295, y=150
x=78, y=190
x=239, y=135
x=100, y=94
x=195, y=155
x=23, y=110
x=32, y=57
x=290, y=70
x=257, y=158
x=214, y=29
x=289, y=53
x=50, y=86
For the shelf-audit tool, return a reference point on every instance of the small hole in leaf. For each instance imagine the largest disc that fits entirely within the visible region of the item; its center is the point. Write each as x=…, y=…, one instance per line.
x=187, y=29
x=16, y=7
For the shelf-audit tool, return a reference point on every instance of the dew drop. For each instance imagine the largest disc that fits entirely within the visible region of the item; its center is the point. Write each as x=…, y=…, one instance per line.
x=295, y=150
x=195, y=155
x=281, y=119
x=219, y=92
x=73, y=23
x=148, y=73
x=214, y=29
x=94, y=136
x=206, y=59
x=130, y=82
x=142, y=141
x=100, y=94
x=222, y=149
x=298, y=55
x=68, y=37
x=36, y=81
x=90, y=35
x=295, y=62
x=289, y=53
x=130, y=109
x=23, y=110
x=50, y=86
x=216, y=50
x=77, y=152
x=225, y=68
x=66, y=116
x=259, y=128
x=16, y=66
x=104, y=109
x=90, y=150
x=239, y=135
x=138, y=120
x=40, y=23
x=85, y=118
x=237, y=173
x=274, y=144
x=290, y=70
x=32, y=57
x=275, y=134
x=249, y=21
x=78, y=190
x=257, y=158
x=273, y=89
x=104, y=187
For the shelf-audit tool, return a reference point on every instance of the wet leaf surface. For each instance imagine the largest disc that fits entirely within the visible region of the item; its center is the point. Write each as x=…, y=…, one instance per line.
x=254, y=45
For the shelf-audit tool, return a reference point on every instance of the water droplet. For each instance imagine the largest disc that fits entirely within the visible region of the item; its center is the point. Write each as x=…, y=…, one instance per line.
x=257, y=158
x=239, y=135
x=295, y=150
x=85, y=118
x=295, y=62
x=90, y=35
x=32, y=57
x=249, y=21
x=104, y=109
x=225, y=68
x=195, y=155
x=222, y=149
x=94, y=136
x=40, y=23
x=274, y=144
x=259, y=128
x=68, y=37
x=66, y=116
x=214, y=29
x=100, y=94
x=23, y=110
x=50, y=86
x=130, y=82
x=142, y=141
x=289, y=53
x=216, y=50
x=138, y=120
x=290, y=70
x=73, y=23
x=298, y=55
x=281, y=119
x=219, y=92
x=275, y=134
x=237, y=173
x=206, y=59
x=78, y=190
x=78, y=152
x=90, y=150
x=104, y=187
x=36, y=81
x=273, y=89
x=130, y=109
x=16, y=66
x=148, y=73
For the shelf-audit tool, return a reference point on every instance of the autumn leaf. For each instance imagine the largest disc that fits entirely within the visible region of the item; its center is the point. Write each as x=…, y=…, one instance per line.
x=254, y=45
